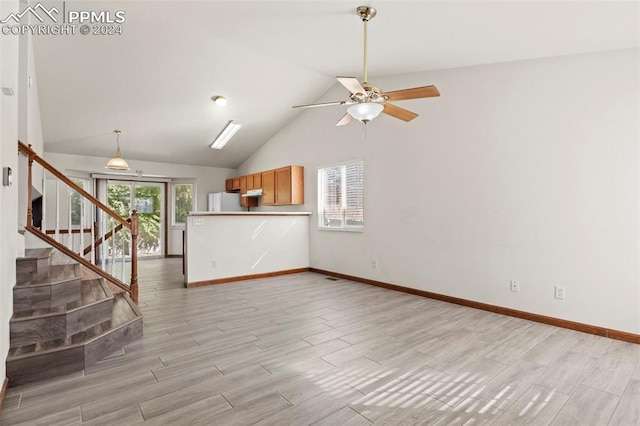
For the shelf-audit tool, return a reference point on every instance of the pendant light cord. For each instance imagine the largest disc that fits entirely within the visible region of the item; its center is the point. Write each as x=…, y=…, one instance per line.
x=117, y=132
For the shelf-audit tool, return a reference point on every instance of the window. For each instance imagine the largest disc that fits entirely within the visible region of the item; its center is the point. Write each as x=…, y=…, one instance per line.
x=340, y=197
x=183, y=202
x=76, y=203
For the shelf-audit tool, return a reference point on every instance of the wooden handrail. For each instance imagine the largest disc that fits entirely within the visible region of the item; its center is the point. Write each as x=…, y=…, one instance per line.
x=35, y=157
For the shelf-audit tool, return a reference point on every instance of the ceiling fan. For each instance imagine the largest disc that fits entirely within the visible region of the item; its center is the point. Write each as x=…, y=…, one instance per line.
x=367, y=101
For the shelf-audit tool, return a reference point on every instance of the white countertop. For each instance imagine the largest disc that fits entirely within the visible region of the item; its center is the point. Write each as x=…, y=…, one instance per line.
x=249, y=214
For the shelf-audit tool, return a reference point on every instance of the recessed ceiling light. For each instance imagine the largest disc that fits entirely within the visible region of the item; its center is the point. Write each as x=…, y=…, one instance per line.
x=220, y=100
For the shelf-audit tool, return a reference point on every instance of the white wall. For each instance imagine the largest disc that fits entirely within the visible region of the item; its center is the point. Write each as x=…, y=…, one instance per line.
x=208, y=179
x=520, y=171
x=245, y=244
x=29, y=122
x=8, y=195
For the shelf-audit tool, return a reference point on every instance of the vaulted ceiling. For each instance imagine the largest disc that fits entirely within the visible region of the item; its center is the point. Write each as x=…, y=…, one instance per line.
x=155, y=80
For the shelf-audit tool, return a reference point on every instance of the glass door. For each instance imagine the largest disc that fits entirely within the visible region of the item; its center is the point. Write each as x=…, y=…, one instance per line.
x=148, y=199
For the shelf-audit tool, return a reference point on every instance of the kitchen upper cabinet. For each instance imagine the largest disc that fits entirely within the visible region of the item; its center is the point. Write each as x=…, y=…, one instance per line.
x=232, y=185
x=268, y=187
x=246, y=201
x=257, y=180
x=254, y=181
x=283, y=185
x=288, y=185
x=243, y=184
x=280, y=187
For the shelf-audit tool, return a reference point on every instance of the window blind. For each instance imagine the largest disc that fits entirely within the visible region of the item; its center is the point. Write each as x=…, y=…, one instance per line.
x=340, y=196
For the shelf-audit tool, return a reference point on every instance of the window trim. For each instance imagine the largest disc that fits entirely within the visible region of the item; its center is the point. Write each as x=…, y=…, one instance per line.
x=174, y=183
x=320, y=200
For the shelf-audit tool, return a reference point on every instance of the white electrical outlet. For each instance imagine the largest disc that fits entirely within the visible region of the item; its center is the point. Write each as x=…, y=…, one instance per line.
x=198, y=221
x=374, y=264
x=214, y=263
x=560, y=293
x=515, y=285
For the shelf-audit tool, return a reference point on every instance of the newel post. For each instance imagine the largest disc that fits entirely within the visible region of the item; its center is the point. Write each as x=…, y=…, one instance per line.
x=29, y=192
x=134, y=256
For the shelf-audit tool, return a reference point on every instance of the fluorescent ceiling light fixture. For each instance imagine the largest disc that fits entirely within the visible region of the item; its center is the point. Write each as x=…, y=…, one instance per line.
x=220, y=100
x=227, y=133
x=365, y=111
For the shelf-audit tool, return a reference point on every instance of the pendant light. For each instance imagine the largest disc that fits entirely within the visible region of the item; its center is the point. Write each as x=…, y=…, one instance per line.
x=117, y=162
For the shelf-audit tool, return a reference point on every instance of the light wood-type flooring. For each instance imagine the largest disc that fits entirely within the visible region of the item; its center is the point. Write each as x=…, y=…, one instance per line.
x=303, y=349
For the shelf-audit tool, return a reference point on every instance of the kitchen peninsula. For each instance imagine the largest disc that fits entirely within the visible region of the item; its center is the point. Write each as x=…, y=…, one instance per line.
x=233, y=246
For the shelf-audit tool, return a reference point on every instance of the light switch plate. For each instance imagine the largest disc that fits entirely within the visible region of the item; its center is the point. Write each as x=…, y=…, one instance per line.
x=7, y=178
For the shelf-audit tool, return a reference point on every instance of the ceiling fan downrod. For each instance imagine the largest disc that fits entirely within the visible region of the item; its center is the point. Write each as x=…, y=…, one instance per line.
x=365, y=13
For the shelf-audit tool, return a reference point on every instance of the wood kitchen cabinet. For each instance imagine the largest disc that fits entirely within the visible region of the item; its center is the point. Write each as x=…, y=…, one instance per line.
x=257, y=180
x=246, y=201
x=254, y=181
x=283, y=185
x=243, y=184
x=269, y=188
x=280, y=187
x=286, y=186
x=232, y=185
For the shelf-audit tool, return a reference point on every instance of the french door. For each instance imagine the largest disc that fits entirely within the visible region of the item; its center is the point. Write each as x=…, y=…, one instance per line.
x=148, y=199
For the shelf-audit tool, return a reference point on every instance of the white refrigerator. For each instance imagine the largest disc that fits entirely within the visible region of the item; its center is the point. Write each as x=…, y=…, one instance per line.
x=224, y=202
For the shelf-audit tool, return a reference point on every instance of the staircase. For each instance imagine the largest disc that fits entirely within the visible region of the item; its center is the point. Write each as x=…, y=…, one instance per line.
x=64, y=320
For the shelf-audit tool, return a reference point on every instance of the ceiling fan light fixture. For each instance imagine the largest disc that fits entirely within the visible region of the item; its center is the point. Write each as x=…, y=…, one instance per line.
x=365, y=111
x=117, y=162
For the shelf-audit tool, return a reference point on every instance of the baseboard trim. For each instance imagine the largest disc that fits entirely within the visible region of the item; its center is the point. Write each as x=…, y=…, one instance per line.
x=3, y=391
x=571, y=325
x=173, y=256
x=244, y=277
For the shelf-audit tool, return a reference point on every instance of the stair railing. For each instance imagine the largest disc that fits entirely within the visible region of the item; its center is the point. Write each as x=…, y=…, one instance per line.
x=112, y=238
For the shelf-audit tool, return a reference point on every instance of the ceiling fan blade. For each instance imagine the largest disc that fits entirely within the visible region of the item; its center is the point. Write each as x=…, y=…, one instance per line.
x=344, y=120
x=320, y=104
x=415, y=93
x=352, y=84
x=397, y=112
